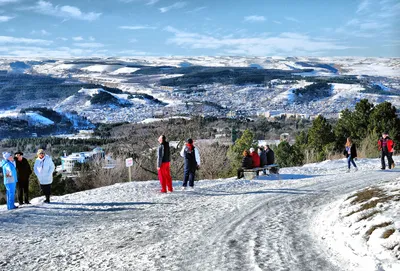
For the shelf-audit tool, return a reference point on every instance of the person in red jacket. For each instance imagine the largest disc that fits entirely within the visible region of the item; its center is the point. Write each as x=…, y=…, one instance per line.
x=386, y=146
x=255, y=157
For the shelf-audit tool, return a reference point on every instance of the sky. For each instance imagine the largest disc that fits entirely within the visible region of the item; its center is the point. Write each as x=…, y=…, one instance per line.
x=116, y=28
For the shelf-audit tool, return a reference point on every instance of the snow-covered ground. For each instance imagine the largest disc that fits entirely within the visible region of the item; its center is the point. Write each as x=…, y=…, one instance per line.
x=294, y=222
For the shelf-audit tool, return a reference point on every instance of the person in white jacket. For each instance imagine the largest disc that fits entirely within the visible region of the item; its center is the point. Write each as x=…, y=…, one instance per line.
x=192, y=163
x=44, y=168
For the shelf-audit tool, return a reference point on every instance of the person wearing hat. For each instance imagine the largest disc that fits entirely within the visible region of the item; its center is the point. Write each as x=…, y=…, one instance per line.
x=24, y=171
x=191, y=157
x=10, y=178
x=43, y=169
x=386, y=146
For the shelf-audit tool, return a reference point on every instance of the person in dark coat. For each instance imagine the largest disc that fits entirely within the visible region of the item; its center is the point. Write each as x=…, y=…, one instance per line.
x=247, y=162
x=263, y=156
x=192, y=162
x=270, y=155
x=351, y=153
x=23, y=171
x=164, y=165
x=386, y=146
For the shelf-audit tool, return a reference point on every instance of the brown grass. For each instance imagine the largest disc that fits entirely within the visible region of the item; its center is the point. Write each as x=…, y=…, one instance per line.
x=366, y=216
x=366, y=195
x=387, y=233
x=371, y=230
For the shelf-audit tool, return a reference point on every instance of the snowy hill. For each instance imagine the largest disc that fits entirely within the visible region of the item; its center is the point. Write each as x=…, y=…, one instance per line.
x=294, y=222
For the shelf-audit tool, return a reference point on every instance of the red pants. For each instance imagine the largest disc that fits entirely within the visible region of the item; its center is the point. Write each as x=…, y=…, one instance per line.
x=164, y=175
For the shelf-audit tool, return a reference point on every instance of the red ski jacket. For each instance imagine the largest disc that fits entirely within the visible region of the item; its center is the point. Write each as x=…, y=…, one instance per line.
x=389, y=142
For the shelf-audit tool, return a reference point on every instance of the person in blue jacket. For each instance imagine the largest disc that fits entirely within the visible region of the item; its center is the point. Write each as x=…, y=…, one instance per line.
x=10, y=178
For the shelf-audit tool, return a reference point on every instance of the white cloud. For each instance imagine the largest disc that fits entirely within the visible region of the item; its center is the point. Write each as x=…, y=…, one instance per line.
x=132, y=53
x=89, y=45
x=152, y=2
x=292, y=19
x=79, y=38
x=5, y=18
x=92, y=38
x=40, y=32
x=34, y=51
x=196, y=10
x=62, y=38
x=133, y=40
x=353, y=22
x=148, y=2
x=363, y=6
x=277, y=22
x=285, y=43
x=254, y=18
x=67, y=12
x=372, y=25
x=4, y=2
x=176, y=5
x=13, y=40
x=136, y=27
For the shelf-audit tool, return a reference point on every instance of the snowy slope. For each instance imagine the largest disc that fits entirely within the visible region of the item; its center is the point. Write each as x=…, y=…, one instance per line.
x=226, y=224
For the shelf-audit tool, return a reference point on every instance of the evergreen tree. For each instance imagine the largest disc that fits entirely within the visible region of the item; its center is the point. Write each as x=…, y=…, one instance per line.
x=245, y=142
x=287, y=155
x=383, y=118
x=344, y=128
x=360, y=119
x=320, y=135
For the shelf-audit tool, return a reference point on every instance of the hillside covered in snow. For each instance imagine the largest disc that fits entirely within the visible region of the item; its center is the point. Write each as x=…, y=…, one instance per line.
x=159, y=87
x=314, y=217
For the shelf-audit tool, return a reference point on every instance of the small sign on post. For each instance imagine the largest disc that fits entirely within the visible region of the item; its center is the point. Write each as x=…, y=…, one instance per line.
x=129, y=164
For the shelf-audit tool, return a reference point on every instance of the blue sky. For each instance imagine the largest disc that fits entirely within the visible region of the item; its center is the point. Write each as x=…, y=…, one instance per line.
x=83, y=28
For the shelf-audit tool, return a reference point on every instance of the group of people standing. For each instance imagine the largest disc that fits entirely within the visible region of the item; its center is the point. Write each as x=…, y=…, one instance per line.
x=16, y=173
x=252, y=159
x=385, y=146
x=191, y=156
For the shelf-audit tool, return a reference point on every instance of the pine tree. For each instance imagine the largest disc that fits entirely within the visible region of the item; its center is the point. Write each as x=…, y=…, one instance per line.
x=245, y=142
x=287, y=155
x=320, y=135
x=383, y=118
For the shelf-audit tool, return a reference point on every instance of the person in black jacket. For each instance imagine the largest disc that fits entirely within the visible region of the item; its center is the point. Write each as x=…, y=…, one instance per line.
x=23, y=171
x=192, y=162
x=351, y=153
x=270, y=155
x=247, y=162
x=163, y=165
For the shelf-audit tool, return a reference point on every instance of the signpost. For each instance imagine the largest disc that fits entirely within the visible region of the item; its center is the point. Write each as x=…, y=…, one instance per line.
x=129, y=164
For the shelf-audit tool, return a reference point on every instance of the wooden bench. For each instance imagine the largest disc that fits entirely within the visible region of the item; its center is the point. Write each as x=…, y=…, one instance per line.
x=251, y=173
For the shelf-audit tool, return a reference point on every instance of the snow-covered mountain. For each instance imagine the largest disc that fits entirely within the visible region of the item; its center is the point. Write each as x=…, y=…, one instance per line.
x=299, y=221
x=228, y=84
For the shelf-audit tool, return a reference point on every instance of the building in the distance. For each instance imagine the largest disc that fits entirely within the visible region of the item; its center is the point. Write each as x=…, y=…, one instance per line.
x=68, y=162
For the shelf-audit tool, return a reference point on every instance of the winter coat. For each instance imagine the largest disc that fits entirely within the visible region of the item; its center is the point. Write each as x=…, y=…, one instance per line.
x=163, y=154
x=263, y=158
x=247, y=162
x=353, y=151
x=270, y=157
x=255, y=158
x=23, y=169
x=389, y=144
x=9, y=169
x=192, y=157
x=44, y=169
